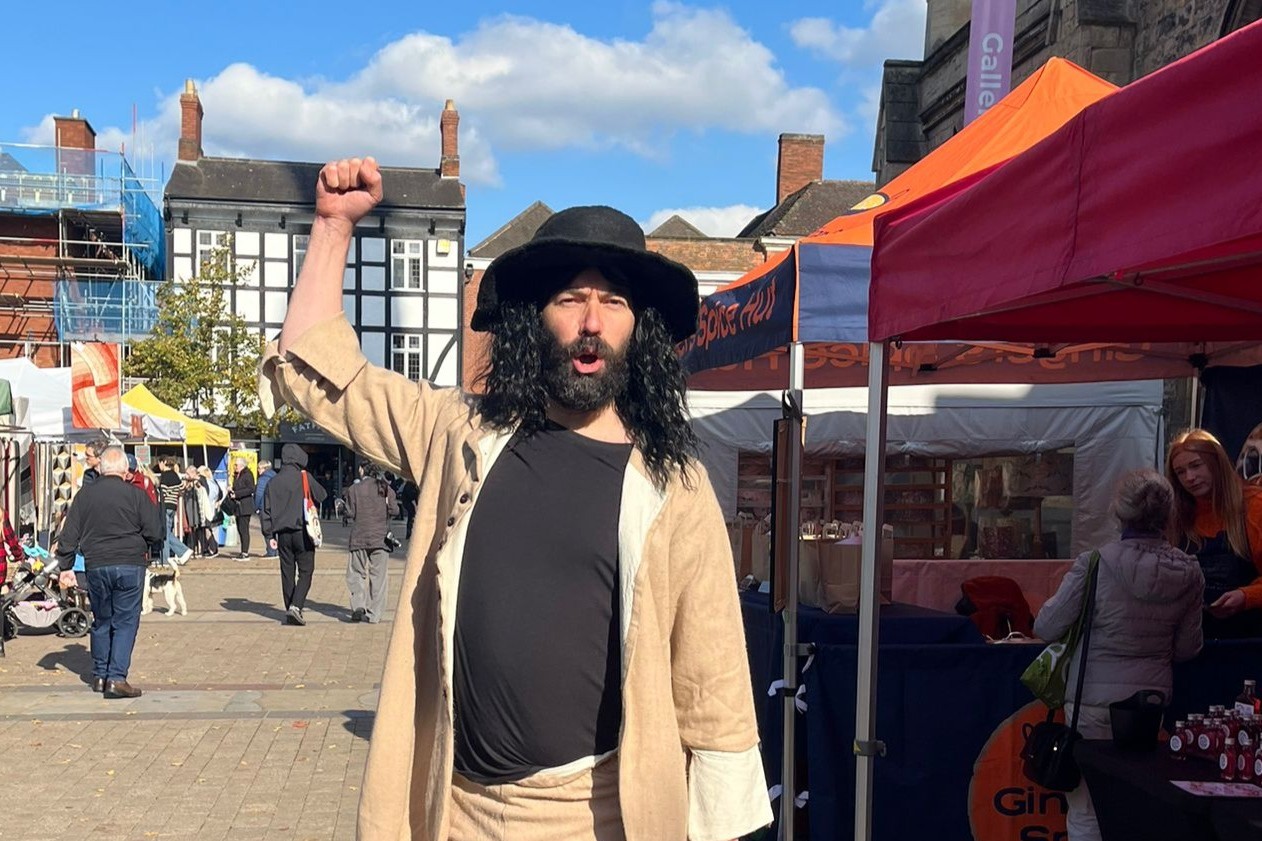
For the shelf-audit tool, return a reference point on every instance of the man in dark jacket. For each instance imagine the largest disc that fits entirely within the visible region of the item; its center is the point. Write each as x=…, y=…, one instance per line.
x=265, y=475
x=112, y=523
x=92, y=460
x=243, y=492
x=284, y=526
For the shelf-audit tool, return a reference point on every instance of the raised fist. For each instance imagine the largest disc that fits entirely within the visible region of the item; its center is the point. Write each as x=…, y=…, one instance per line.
x=347, y=189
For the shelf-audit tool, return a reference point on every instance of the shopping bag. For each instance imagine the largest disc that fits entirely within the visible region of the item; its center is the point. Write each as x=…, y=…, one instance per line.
x=1047, y=676
x=310, y=514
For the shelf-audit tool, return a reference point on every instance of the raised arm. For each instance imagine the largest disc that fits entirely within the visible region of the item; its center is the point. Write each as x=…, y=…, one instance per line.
x=346, y=191
x=316, y=365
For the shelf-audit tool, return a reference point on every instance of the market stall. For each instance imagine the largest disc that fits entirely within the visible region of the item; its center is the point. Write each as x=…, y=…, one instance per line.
x=1112, y=251
x=1088, y=435
x=47, y=436
x=197, y=433
x=801, y=321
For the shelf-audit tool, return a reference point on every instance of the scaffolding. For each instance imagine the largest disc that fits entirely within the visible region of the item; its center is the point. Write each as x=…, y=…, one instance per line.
x=95, y=232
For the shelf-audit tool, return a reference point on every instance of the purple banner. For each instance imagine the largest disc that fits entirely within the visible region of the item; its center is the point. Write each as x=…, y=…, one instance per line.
x=989, y=55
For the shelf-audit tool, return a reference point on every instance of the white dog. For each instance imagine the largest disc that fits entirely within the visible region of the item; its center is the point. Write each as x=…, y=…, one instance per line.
x=164, y=576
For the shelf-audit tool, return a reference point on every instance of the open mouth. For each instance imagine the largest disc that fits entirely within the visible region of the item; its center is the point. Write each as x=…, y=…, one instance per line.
x=588, y=363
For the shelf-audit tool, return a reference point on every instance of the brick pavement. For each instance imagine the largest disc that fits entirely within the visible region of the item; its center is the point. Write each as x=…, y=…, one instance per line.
x=248, y=728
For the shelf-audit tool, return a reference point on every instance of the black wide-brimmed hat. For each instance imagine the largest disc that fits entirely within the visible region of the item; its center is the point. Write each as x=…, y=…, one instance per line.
x=590, y=237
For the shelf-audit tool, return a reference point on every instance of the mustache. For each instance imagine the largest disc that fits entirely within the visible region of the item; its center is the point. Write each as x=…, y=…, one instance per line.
x=588, y=345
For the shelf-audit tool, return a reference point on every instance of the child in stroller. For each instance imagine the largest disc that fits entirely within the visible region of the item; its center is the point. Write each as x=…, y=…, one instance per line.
x=36, y=599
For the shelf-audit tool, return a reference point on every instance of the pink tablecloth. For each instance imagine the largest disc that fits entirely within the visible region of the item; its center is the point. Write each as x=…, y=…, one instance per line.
x=936, y=583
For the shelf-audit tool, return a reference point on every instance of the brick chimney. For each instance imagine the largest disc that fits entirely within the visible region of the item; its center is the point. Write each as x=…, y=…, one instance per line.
x=801, y=162
x=190, y=123
x=449, y=124
x=76, y=144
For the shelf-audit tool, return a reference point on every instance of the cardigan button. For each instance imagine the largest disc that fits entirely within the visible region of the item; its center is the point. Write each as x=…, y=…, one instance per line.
x=451, y=521
x=464, y=498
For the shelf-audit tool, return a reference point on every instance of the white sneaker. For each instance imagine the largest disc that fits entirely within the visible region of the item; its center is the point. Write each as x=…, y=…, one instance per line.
x=184, y=556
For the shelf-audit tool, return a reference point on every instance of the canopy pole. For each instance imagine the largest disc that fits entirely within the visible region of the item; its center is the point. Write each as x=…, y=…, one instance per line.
x=1194, y=394
x=205, y=456
x=866, y=746
x=184, y=447
x=793, y=516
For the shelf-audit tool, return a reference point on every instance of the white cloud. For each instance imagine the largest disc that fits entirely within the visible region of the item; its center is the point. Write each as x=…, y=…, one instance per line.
x=896, y=30
x=537, y=85
x=520, y=85
x=712, y=221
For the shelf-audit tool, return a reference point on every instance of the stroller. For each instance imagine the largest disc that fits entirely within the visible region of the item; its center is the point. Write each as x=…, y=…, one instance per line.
x=36, y=599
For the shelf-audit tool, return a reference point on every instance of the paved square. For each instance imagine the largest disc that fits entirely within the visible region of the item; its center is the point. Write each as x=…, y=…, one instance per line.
x=248, y=728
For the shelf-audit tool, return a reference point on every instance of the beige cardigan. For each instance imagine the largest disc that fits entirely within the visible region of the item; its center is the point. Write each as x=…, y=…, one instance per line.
x=688, y=754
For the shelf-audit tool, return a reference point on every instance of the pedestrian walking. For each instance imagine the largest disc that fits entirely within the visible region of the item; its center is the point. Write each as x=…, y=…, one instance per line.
x=265, y=475
x=370, y=503
x=284, y=527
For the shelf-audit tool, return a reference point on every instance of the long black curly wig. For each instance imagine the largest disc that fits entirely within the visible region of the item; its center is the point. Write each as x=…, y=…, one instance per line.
x=651, y=407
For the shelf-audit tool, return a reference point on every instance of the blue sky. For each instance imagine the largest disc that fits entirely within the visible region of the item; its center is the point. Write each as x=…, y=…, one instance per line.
x=653, y=107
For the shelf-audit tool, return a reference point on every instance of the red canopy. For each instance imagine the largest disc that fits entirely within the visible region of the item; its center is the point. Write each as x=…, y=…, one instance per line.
x=1138, y=221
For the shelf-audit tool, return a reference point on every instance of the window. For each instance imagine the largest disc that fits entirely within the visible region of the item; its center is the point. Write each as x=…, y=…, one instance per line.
x=300, y=253
x=406, y=263
x=208, y=242
x=405, y=356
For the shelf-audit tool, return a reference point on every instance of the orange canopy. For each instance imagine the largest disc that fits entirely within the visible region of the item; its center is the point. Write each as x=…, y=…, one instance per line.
x=1036, y=108
x=824, y=277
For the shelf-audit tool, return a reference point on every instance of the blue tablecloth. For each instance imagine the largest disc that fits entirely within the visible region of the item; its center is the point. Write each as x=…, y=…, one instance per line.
x=941, y=693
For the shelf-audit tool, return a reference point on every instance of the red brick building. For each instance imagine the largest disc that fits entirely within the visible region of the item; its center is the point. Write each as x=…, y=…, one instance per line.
x=80, y=246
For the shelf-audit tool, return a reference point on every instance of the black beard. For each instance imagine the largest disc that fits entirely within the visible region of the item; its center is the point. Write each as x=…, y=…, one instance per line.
x=582, y=392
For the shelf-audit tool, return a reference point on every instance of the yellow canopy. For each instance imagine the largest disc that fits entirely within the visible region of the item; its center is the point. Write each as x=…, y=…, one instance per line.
x=196, y=432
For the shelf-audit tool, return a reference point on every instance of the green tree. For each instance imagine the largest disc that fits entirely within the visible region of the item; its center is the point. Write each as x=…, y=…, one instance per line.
x=202, y=357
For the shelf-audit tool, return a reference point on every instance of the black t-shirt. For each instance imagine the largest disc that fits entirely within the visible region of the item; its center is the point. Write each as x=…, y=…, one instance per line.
x=538, y=651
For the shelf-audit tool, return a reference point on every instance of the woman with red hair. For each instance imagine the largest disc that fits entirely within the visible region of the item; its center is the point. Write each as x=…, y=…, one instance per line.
x=1218, y=519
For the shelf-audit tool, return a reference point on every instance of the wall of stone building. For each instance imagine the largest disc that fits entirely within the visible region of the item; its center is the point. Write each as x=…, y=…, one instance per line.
x=946, y=70
x=1118, y=40
x=1168, y=30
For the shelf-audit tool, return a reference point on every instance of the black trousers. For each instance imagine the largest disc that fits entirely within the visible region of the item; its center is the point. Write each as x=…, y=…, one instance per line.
x=297, y=564
x=243, y=529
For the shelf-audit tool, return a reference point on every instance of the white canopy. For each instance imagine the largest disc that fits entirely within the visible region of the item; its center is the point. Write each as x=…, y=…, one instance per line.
x=48, y=417
x=1114, y=428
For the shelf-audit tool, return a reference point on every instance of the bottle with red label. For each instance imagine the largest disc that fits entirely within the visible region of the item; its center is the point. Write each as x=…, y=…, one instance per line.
x=1246, y=727
x=1210, y=742
x=1247, y=738
x=1248, y=698
x=1227, y=760
x=1257, y=765
x=1195, y=726
x=1178, y=740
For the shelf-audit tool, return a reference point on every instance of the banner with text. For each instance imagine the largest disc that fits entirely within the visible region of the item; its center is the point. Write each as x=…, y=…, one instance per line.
x=744, y=322
x=989, y=55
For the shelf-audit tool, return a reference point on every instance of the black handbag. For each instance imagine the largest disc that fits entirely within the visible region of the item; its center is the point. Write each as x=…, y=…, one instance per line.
x=1048, y=753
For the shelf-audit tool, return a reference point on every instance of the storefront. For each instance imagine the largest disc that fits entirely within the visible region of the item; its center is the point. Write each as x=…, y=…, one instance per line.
x=332, y=464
